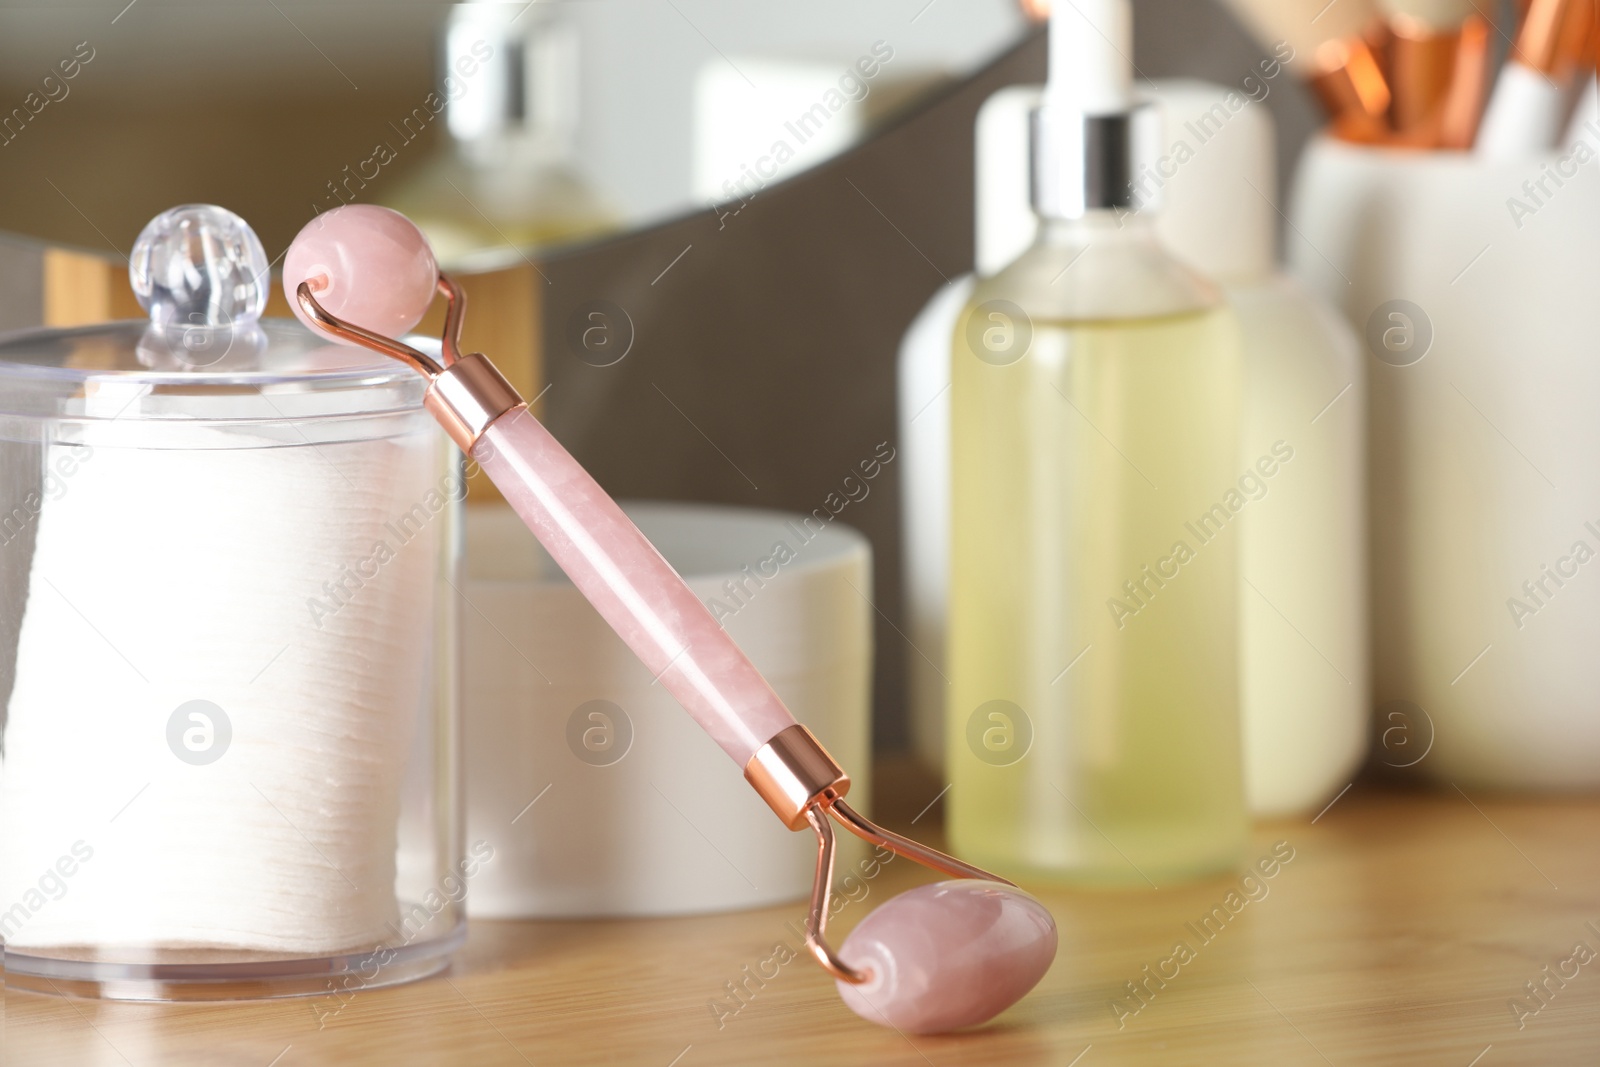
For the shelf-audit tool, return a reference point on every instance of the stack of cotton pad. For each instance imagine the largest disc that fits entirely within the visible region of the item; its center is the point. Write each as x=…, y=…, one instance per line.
x=283, y=586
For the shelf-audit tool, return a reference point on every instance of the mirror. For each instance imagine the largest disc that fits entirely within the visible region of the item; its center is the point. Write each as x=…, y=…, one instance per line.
x=556, y=123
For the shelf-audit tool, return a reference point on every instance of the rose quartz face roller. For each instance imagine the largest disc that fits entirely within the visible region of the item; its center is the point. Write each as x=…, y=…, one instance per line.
x=936, y=958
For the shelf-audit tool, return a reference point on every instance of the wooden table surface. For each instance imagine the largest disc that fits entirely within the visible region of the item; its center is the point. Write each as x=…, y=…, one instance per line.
x=1401, y=931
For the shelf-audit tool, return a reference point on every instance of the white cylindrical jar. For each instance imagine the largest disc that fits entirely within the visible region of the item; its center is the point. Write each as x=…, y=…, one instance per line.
x=600, y=796
x=1474, y=283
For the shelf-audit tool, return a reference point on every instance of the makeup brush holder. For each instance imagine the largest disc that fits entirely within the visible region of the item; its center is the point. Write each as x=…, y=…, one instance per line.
x=598, y=794
x=1475, y=287
x=227, y=666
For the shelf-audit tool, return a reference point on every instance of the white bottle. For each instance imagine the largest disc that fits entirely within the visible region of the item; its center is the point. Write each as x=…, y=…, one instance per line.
x=923, y=396
x=1005, y=227
x=1303, y=606
x=1482, y=433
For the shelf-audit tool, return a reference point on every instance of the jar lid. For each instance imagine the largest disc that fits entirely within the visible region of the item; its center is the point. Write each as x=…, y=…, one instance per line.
x=205, y=358
x=272, y=370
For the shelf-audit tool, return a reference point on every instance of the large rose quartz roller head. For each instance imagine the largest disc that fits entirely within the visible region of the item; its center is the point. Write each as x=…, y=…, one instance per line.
x=368, y=265
x=946, y=956
x=941, y=957
x=936, y=958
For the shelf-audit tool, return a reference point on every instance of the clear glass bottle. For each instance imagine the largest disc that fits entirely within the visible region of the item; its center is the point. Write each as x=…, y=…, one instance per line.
x=1093, y=638
x=509, y=178
x=1305, y=702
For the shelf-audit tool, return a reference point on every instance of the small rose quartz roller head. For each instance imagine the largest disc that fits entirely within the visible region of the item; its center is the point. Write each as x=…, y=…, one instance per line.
x=936, y=958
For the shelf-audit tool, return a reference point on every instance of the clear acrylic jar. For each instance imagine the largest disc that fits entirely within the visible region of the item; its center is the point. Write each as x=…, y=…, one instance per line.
x=228, y=724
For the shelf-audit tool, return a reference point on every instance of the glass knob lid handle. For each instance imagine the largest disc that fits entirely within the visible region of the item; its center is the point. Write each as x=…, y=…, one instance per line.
x=199, y=265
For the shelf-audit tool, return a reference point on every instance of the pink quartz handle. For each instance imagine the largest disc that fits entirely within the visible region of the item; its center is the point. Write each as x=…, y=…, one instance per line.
x=634, y=589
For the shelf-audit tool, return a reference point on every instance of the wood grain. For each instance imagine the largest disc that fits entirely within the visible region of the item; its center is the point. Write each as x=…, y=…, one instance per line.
x=1398, y=933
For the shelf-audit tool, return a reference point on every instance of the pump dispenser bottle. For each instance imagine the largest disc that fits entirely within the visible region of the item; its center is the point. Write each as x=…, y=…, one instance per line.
x=1093, y=726
x=509, y=177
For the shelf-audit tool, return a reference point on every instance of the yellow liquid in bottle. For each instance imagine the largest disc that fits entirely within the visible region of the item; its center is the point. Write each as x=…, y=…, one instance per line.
x=1093, y=723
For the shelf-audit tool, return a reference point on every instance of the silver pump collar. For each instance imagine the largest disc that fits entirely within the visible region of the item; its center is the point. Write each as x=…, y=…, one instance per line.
x=1083, y=163
x=506, y=76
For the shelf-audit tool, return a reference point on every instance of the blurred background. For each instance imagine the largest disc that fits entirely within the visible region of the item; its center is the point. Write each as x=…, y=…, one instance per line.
x=759, y=313
x=294, y=92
